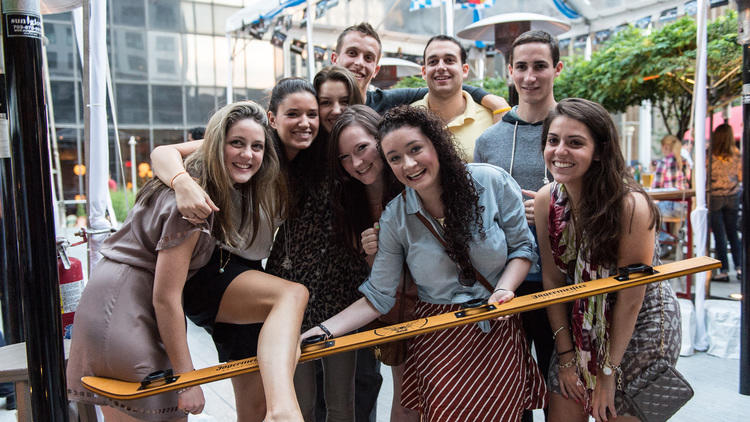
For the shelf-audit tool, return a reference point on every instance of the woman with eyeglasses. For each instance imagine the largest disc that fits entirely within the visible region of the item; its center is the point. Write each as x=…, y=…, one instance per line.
x=472, y=372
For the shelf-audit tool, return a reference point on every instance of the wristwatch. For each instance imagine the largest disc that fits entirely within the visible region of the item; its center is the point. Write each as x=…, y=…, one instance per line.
x=608, y=369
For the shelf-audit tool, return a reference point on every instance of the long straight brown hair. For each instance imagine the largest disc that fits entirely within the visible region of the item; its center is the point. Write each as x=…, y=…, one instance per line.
x=606, y=184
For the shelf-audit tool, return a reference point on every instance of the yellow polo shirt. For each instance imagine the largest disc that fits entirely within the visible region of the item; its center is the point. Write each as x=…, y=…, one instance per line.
x=468, y=126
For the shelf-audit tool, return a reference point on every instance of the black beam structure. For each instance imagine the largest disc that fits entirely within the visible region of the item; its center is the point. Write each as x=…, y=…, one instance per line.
x=743, y=7
x=10, y=289
x=27, y=118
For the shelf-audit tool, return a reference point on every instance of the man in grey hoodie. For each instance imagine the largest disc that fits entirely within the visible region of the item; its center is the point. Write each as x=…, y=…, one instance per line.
x=514, y=144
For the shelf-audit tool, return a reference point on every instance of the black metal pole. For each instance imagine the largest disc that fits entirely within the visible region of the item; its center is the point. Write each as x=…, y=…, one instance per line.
x=743, y=7
x=30, y=156
x=10, y=290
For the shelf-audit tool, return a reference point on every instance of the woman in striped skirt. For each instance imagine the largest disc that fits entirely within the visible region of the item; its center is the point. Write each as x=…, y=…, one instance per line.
x=473, y=372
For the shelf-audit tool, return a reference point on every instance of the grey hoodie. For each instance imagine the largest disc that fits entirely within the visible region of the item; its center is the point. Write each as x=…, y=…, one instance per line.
x=496, y=144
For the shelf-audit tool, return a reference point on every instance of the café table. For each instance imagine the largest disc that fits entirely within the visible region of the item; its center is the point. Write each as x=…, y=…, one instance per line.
x=686, y=196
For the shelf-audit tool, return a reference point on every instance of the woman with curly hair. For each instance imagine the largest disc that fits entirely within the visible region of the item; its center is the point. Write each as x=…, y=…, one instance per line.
x=591, y=220
x=471, y=372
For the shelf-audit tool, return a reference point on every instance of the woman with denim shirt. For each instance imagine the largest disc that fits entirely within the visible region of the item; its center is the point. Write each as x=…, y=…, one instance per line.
x=466, y=373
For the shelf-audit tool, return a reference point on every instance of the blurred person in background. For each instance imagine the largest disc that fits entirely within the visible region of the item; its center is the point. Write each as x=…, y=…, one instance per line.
x=723, y=211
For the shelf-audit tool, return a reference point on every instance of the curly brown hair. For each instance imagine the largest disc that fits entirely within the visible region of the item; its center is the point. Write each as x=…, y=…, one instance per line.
x=607, y=183
x=460, y=198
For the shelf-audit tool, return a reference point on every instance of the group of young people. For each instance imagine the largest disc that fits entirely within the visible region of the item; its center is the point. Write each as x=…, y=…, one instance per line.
x=342, y=202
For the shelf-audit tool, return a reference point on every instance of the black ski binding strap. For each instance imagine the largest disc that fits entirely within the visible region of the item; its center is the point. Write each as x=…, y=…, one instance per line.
x=311, y=344
x=623, y=273
x=473, y=307
x=166, y=376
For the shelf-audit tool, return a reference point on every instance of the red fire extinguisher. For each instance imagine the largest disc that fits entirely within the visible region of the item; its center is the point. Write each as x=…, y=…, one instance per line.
x=70, y=274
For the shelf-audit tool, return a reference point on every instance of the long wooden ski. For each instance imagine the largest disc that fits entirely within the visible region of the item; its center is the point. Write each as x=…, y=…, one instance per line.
x=163, y=381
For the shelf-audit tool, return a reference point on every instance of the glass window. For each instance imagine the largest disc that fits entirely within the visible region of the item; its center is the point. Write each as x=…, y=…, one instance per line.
x=204, y=20
x=239, y=94
x=132, y=103
x=129, y=54
x=189, y=62
x=260, y=64
x=67, y=145
x=200, y=103
x=165, y=137
x=221, y=14
x=59, y=49
x=165, y=63
x=221, y=97
x=221, y=55
x=63, y=101
x=128, y=12
x=167, y=104
x=241, y=49
x=205, y=45
x=164, y=15
x=62, y=17
x=142, y=154
x=134, y=40
x=260, y=96
x=237, y=3
x=188, y=17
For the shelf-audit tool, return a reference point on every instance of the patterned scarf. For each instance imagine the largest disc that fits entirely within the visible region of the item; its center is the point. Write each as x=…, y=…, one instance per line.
x=591, y=316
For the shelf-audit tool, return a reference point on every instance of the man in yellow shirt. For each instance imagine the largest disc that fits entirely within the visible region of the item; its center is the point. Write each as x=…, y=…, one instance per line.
x=444, y=70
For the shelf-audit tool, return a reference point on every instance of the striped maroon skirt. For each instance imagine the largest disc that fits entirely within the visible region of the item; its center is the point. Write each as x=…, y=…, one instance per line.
x=463, y=374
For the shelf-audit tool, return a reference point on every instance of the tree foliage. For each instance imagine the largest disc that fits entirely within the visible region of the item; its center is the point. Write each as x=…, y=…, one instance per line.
x=496, y=86
x=411, y=82
x=633, y=67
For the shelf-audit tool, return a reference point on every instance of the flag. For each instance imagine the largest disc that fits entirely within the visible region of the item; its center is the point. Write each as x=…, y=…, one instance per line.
x=423, y=4
x=473, y=4
x=458, y=4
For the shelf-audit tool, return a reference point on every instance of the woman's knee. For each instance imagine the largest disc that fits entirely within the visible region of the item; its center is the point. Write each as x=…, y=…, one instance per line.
x=564, y=410
x=297, y=293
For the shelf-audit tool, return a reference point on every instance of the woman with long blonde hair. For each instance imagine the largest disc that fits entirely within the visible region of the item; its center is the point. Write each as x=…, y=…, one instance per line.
x=160, y=267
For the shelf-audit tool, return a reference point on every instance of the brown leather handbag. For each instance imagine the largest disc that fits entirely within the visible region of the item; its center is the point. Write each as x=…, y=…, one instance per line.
x=395, y=353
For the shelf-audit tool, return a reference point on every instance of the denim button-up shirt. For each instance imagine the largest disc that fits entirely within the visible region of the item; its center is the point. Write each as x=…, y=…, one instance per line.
x=403, y=236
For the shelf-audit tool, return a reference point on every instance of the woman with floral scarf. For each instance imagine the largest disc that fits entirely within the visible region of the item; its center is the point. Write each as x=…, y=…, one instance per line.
x=593, y=219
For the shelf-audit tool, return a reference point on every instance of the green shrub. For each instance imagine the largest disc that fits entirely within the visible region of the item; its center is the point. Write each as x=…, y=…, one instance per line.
x=119, y=203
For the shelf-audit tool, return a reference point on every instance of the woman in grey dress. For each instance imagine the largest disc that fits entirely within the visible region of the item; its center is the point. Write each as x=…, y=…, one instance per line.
x=130, y=321
x=593, y=219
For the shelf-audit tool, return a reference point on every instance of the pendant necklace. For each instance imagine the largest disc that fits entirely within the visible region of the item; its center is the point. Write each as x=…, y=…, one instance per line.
x=286, y=263
x=221, y=257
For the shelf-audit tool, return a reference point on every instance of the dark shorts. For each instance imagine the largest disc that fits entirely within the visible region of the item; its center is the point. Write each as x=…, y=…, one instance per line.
x=201, y=298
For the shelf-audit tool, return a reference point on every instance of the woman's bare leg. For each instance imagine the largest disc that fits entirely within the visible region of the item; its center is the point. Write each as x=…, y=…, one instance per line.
x=113, y=415
x=255, y=296
x=398, y=412
x=248, y=393
x=565, y=410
